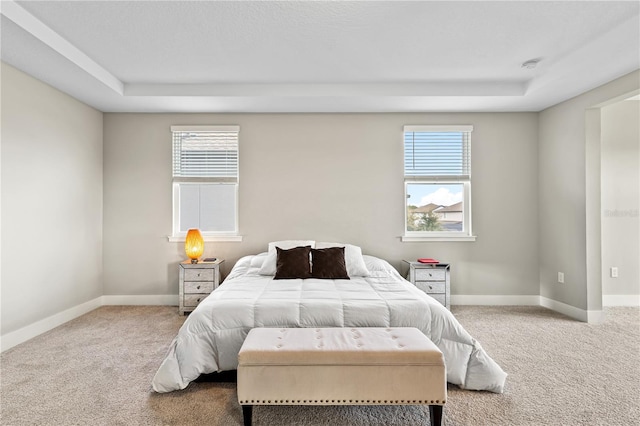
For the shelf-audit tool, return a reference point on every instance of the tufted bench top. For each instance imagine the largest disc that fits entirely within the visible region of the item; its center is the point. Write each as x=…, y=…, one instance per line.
x=339, y=346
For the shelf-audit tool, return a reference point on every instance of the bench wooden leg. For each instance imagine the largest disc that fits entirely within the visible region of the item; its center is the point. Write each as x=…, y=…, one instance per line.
x=247, y=411
x=435, y=412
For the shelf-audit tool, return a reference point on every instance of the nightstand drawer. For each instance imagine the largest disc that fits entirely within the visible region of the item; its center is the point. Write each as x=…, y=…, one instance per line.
x=198, y=286
x=442, y=298
x=430, y=274
x=432, y=286
x=192, y=300
x=198, y=274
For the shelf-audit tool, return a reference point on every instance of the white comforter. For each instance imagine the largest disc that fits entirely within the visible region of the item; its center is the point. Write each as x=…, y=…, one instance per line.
x=212, y=335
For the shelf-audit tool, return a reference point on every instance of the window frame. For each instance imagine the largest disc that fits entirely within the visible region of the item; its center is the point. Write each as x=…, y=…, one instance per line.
x=465, y=180
x=208, y=236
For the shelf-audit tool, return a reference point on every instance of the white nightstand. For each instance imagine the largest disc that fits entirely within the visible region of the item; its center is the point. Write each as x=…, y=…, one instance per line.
x=197, y=281
x=433, y=279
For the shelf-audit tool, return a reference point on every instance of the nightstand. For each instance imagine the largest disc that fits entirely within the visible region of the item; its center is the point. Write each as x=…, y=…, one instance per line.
x=433, y=279
x=197, y=281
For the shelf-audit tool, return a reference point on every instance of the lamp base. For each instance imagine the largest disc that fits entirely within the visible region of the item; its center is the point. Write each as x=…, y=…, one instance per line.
x=194, y=260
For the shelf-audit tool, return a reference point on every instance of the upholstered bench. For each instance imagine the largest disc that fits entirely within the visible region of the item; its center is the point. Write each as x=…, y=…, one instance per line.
x=340, y=366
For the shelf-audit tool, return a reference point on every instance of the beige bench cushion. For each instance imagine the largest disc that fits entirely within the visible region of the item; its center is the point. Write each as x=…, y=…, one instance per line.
x=335, y=346
x=340, y=366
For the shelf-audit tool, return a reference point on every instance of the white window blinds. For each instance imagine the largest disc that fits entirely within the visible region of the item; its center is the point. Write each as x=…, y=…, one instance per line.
x=207, y=153
x=437, y=152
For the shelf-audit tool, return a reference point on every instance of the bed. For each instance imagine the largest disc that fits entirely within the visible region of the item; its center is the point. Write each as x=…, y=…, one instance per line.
x=250, y=297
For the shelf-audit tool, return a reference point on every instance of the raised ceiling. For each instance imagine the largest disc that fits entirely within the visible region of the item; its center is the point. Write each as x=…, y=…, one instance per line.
x=334, y=56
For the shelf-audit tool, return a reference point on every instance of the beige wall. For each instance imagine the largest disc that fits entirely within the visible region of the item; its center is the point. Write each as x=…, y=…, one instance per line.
x=621, y=197
x=51, y=201
x=569, y=197
x=319, y=176
x=323, y=177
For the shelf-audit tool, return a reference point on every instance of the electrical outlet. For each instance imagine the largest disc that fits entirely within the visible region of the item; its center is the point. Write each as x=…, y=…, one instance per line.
x=614, y=272
x=561, y=277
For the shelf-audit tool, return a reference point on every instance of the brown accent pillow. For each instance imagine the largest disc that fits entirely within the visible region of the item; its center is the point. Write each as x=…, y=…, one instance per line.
x=329, y=263
x=293, y=263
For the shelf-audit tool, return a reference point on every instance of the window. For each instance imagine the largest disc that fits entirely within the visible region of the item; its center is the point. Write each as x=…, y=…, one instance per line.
x=205, y=181
x=437, y=183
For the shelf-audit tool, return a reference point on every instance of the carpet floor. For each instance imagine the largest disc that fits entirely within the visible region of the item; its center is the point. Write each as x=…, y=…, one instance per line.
x=97, y=369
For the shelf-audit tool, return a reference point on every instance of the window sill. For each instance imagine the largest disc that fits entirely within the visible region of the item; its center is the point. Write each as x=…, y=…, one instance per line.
x=416, y=239
x=208, y=238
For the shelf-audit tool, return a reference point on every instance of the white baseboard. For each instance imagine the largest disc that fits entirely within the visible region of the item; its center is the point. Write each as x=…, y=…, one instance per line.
x=23, y=334
x=591, y=317
x=595, y=317
x=152, y=299
x=621, y=300
x=563, y=308
x=502, y=300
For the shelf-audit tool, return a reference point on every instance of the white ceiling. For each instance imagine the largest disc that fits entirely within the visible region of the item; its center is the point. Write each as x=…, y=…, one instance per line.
x=378, y=56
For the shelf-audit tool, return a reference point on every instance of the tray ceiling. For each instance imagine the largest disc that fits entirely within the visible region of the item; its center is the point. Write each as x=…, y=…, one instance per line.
x=264, y=56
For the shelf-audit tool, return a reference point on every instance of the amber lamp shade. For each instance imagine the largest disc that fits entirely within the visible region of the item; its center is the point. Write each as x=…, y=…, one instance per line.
x=194, y=245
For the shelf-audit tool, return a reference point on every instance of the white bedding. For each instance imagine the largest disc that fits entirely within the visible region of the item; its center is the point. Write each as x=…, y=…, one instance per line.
x=211, y=337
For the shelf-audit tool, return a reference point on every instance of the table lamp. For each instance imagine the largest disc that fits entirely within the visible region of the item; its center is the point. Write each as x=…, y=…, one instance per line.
x=194, y=244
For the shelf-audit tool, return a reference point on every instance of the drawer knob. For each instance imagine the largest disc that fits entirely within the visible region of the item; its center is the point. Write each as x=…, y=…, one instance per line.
x=199, y=299
x=430, y=287
x=198, y=273
x=198, y=287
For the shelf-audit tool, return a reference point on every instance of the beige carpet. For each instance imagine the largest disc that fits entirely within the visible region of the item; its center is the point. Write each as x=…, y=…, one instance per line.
x=96, y=370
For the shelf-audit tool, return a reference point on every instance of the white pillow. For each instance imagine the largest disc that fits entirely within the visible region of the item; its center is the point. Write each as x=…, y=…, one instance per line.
x=258, y=260
x=352, y=258
x=269, y=265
